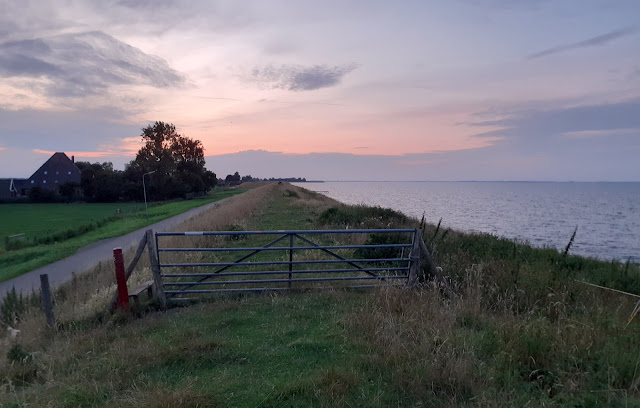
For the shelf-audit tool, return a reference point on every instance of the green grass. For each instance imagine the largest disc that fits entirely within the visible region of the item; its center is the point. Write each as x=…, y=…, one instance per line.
x=266, y=351
x=39, y=220
x=512, y=328
x=59, y=230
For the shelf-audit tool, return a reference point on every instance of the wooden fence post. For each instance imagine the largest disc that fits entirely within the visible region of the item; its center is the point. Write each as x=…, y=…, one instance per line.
x=433, y=271
x=47, y=302
x=155, y=269
x=414, y=268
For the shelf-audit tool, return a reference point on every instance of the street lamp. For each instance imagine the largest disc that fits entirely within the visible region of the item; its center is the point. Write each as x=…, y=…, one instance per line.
x=144, y=189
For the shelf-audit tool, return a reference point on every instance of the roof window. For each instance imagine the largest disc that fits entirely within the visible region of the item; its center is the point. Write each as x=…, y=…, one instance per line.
x=69, y=173
x=44, y=181
x=32, y=181
x=45, y=172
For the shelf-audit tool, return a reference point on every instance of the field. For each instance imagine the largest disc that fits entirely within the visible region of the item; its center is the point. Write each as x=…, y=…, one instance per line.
x=54, y=231
x=39, y=220
x=511, y=327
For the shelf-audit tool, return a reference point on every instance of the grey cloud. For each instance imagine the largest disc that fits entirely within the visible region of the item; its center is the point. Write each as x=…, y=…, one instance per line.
x=299, y=78
x=83, y=130
x=591, y=42
x=145, y=4
x=84, y=63
x=580, y=118
x=548, y=132
x=509, y=4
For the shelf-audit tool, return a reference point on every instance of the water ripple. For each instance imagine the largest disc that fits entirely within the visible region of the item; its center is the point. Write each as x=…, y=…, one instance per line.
x=544, y=214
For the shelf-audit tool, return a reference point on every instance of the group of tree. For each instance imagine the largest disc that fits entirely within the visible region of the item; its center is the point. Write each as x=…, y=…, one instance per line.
x=172, y=165
x=235, y=179
x=175, y=163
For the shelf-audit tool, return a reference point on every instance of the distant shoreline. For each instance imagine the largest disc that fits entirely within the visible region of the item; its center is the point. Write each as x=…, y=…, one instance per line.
x=469, y=181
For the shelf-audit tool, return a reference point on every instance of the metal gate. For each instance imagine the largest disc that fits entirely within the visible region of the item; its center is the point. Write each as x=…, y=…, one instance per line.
x=255, y=261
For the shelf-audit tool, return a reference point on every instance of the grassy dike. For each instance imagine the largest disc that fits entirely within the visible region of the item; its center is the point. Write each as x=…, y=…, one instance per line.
x=56, y=231
x=512, y=328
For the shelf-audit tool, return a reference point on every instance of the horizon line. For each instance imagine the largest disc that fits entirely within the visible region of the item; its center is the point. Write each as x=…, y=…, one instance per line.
x=467, y=181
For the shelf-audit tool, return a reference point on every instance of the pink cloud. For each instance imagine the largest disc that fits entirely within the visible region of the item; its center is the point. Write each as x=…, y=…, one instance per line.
x=128, y=146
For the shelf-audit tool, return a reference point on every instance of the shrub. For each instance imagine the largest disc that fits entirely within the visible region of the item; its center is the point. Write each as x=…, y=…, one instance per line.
x=290, y=193
x=17, y=354
x=381, y=253
x=363, y=216
x=13, y=306
x=42, y=195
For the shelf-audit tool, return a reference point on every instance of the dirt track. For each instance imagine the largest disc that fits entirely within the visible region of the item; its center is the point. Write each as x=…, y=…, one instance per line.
x=90, y=255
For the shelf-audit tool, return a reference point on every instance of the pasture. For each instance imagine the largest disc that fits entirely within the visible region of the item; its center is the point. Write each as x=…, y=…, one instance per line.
x=41, y=220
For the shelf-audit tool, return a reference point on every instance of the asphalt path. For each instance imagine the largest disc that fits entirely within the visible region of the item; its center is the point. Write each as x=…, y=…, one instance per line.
x=91, y=255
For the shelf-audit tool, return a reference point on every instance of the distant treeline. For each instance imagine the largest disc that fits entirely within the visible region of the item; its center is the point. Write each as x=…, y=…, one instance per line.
x=235, y=179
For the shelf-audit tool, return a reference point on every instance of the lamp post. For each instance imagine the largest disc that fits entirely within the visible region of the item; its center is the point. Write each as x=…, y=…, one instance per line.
x=144, y=189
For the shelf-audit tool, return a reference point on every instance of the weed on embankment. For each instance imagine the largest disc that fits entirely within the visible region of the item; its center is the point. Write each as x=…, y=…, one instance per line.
x=512, y=327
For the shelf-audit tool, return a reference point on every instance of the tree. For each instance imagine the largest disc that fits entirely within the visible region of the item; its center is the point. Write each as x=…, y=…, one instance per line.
x=42, y=195
x=68, y=190
x=177, y=162
x=100, y=182
x=232, y=180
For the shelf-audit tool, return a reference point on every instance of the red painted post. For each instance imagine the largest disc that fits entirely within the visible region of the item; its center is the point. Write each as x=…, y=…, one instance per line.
x=123, y=293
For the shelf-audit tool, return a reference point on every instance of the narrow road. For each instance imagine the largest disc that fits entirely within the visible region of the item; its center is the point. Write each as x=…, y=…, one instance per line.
x=89, y=256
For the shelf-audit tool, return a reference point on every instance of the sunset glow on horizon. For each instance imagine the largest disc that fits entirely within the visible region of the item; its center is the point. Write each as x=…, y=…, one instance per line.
x=418, y=90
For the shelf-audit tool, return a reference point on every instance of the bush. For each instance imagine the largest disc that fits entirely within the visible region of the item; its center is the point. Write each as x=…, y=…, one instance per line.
x=381, y=253
x=12, y=308
x=17, y=354
x=363, y=217
x=42, y=195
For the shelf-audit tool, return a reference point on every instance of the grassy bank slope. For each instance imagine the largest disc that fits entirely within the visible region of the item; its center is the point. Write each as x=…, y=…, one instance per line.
x=55, y=231
x=512, y=328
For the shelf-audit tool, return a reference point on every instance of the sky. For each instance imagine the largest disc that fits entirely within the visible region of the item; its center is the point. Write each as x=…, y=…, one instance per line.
x=330, y=90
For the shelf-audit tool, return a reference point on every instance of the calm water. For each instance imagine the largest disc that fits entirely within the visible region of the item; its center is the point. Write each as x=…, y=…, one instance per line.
x=544, y=214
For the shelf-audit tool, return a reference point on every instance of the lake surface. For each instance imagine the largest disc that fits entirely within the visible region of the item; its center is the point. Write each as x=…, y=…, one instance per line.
x=541, y=213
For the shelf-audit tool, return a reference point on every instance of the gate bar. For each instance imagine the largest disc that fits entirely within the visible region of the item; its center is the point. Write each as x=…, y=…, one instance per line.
x=186, y=275
x=240, y=282
x=295, y=232
x=322, y=261
x=236, y=290
x=284, y=248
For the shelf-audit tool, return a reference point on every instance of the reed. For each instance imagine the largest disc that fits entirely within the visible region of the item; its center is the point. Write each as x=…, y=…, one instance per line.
x=573, y=236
